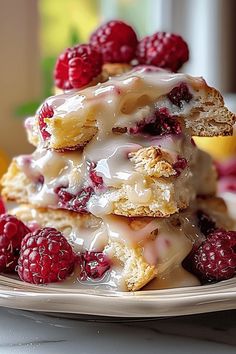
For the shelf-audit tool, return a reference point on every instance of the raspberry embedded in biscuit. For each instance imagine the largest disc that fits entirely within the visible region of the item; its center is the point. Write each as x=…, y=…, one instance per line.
x=46, y=111
x=96, y=180
x=180, y=94
x=161, y=122
x=69, y=201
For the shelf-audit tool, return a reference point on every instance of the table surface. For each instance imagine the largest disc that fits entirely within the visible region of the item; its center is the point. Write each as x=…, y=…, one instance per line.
x=28, y=332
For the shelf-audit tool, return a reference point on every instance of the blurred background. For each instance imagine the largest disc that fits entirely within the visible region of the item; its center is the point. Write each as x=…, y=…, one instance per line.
x=34, y=32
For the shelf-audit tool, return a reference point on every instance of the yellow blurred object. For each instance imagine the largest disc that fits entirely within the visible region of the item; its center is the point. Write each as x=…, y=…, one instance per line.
x=220, y=148
x=4, y=161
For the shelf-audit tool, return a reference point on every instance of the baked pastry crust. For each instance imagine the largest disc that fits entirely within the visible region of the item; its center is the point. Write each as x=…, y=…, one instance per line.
x=205, y=115
x=136, y=271
x=167, y=193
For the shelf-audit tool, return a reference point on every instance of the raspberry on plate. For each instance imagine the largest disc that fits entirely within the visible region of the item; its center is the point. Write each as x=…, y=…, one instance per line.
x=116, y=41
x=45, y=257
x=12, y=232
x=77, y=67
x=93, y=265
x=215, y=259
x=165, y=50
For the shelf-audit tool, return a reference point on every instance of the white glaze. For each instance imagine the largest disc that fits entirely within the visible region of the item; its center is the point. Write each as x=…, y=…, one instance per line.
x=122, y=101
x=118, y=101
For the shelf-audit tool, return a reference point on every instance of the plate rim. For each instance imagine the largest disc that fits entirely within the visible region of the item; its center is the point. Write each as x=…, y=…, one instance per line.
x=142, y=304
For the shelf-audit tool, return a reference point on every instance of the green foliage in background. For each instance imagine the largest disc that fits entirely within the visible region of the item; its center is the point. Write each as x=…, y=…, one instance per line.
x=63, y=24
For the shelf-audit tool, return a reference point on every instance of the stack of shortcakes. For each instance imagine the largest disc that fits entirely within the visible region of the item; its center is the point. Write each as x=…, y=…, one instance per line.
x=116, y=194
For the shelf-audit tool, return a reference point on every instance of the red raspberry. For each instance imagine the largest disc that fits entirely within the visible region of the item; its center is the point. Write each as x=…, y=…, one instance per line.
x=93, y=265
x=215, y=259
x=227, y=184
x=161, y=122
x=96, y=180
x=77, y=66
x=179, y=94
x=77, y=203
x=45, y=257
x=116, y=41
x=165, y=50
x=12, y=232
x=2, y=207
x=205, y=223
x=46, y=111
x=61, y=71
x=180, y=165
x=226, y=168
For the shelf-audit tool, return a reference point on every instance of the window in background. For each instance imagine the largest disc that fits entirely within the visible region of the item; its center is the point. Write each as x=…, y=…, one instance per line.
x=63, y=24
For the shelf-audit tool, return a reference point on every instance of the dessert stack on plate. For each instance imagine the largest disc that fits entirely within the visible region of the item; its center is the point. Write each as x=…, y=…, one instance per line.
x=116, y=170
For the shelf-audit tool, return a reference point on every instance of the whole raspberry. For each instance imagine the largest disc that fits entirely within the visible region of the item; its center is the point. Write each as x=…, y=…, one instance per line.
x=77, y=66
x=116, y=41
x=45, y=257
x=215, y=259
x=165, y=50
x=12, y=232
x=93, y=265
x=46, y=111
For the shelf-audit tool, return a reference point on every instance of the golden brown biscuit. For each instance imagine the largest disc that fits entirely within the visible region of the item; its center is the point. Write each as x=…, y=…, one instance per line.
x=155, y=188
x=123, y=101
x=137, y=240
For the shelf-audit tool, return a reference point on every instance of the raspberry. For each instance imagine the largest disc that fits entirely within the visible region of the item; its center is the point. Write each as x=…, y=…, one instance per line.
x=77, y=203
x=45, y=257
x=61, y=71
x=77, y=66
x=205, y=223
x=227, y=184
x=12, y=232
x=116, y=41
x=166, y=50
x=226, y=168
x=160, y=123
x=46, y=111
x=180, y=94
x=93, y=265
x=215, y=259
x=180, y=165
x=96, y=180
x=2, y=207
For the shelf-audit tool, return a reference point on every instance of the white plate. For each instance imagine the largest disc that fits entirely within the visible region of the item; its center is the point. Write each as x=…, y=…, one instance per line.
x=148, y=304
